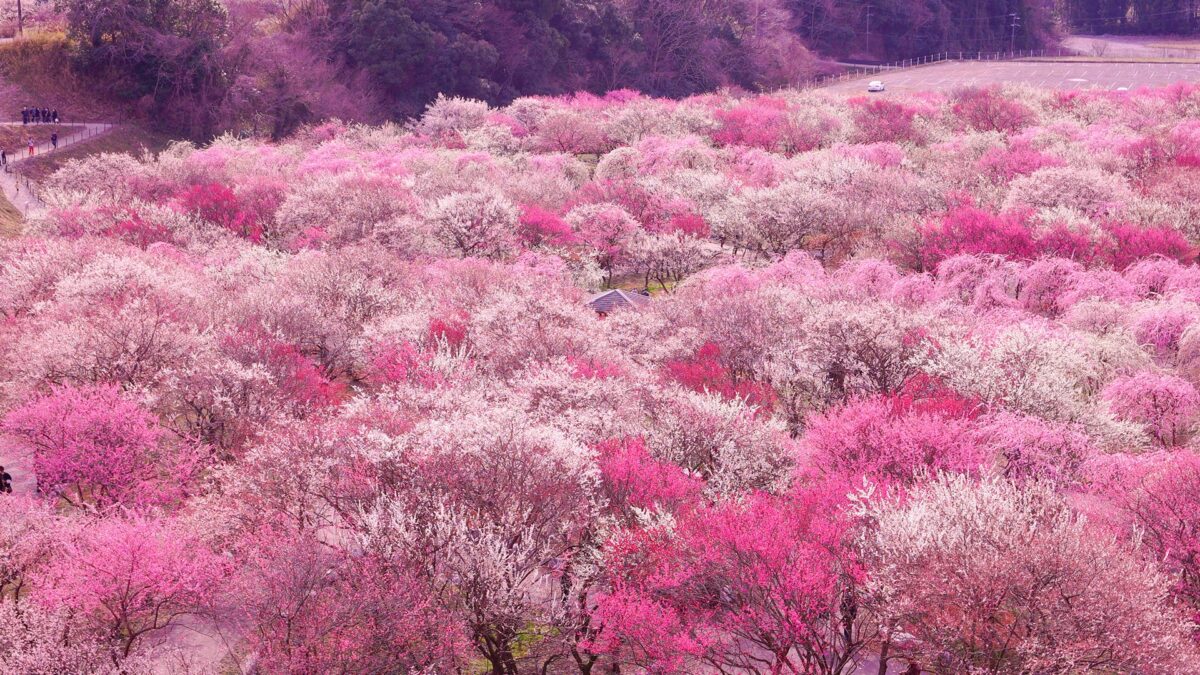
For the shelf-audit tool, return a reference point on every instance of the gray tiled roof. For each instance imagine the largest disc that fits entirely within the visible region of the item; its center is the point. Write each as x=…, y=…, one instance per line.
x=608, y=301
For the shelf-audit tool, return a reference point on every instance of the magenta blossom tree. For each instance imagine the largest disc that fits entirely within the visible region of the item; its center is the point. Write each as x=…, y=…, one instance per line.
x=94, y=447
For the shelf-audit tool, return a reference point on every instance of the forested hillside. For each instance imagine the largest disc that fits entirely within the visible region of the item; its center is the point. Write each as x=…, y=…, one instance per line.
x=1175, y=17
x=264, y=67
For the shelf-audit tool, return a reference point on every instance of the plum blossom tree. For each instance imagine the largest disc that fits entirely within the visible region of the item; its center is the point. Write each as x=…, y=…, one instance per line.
x=311, y=608
x=1164, y=404
x=475, y=224
x=997, y=577
x=783, y=218
x=879, y=438
x=29, y=541
x=37, y=640
x=883, y=121
x=1023, y=447
x=1157, y=494
x=763, y=586
x=608, y=229
x=95, y=448
x=484, y=509
x=634, y=480
x=724, y=442
x=131, y=580
x=987, y=109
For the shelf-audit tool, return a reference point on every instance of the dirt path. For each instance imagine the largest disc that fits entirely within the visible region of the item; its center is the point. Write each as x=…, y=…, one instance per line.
x=1134, y=46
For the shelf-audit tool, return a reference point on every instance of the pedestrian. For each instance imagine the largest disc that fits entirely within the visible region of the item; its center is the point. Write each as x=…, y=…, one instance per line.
x=25, y=115
x=32, y=147
x=37, y=116
x=3, y=157
x=5, y=481
x=46, y=115
x=54, y=140
x=54, y=115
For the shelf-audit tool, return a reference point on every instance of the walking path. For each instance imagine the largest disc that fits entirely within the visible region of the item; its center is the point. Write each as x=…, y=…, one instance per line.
x=21, y=191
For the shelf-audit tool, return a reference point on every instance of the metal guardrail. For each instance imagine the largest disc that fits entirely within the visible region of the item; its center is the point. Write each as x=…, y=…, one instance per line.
x=29, y=186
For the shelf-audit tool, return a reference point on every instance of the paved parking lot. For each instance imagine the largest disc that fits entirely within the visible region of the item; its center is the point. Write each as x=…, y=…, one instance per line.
x=1056, y=75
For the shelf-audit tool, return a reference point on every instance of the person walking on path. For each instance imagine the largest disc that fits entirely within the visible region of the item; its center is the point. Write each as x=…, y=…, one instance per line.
x=24, y=115
x=32, y=147
x=54, y=141
x=5, y=482
x=54, y=115
x=4, y=158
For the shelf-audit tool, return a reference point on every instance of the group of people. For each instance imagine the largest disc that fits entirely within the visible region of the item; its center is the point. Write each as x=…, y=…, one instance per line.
x=32, y=148
x=39, y=116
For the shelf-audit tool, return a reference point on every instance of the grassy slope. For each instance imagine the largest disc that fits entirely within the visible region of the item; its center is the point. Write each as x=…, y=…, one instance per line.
x=10, y=218
x=37, y=71
x=127, y=139
x=14, y=139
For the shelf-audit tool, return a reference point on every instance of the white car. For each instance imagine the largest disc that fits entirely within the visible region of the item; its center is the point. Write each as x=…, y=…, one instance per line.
x=875, y=85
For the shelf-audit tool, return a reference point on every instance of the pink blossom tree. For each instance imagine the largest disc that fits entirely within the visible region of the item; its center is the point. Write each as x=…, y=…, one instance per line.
x=310, y=608
x=1164, y=404
x=765, y=584
x=988, y=109
x=132, y=579
x=998, y=577
x=93, y=447
x=876, y=438
x=883, y=121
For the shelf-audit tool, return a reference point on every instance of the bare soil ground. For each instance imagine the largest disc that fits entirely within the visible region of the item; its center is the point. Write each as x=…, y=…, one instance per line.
x=1143, y=46
x=1051, y=74
x=10, y=218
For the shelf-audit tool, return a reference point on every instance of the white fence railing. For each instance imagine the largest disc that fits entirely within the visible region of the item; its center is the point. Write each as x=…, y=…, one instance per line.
x=854, y=71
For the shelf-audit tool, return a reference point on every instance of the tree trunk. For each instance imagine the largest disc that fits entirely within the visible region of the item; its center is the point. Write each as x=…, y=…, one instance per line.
x=883, y=655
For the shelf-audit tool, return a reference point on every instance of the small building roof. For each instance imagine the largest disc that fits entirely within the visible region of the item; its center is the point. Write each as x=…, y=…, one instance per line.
x=607, y=301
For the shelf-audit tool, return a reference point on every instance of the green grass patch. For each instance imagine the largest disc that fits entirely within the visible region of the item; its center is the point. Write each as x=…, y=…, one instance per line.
x=128, y=140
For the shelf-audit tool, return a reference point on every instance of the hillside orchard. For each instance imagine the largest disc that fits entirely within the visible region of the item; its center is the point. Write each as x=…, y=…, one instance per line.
x=917, y=382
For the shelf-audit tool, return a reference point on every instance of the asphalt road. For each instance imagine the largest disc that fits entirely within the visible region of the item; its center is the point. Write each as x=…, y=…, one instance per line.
x=1055, y=75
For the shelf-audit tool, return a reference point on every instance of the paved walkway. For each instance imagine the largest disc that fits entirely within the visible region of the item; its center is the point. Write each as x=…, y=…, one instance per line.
x=21, y=191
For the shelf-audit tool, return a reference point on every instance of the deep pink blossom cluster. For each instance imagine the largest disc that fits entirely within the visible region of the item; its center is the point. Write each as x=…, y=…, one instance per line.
x=905, y=393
